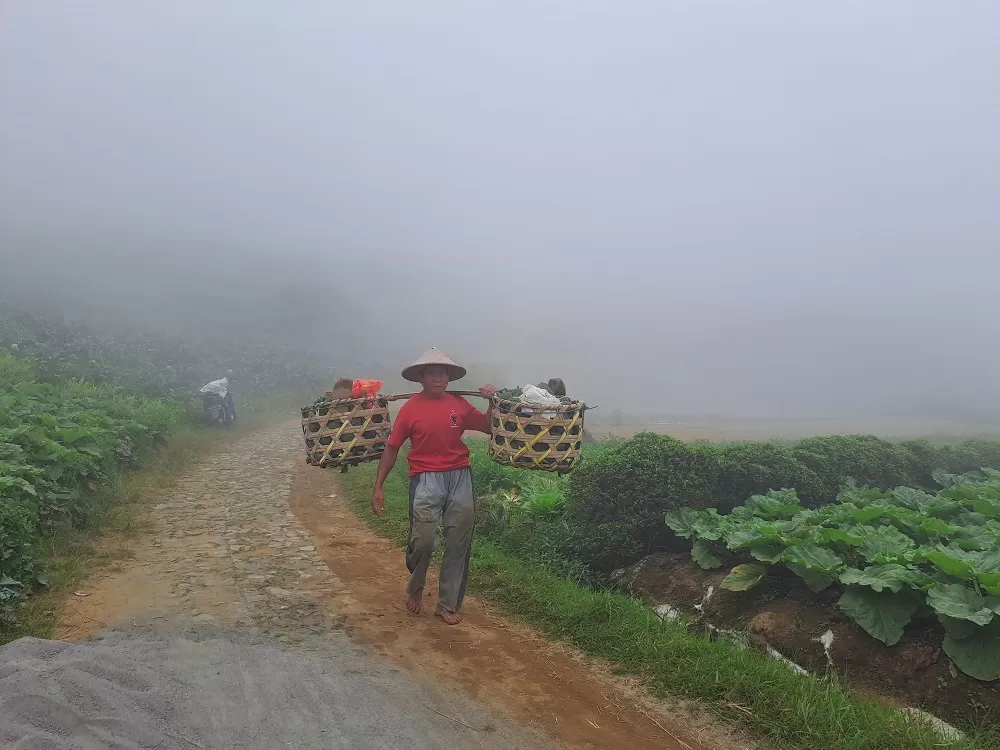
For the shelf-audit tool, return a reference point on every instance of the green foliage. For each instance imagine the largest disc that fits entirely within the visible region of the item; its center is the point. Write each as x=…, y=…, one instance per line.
x=616, y=499
x=703, y=554
x=15, y=370
x=970, y=455
x=975, y=652
x=865, y=459
x=544, y=503
x=894, y=552
x=926, y=459
x=960, y=602
x=58, y=443
x=490, y=476
x=18, y=531
x=883, y=615
x=818, y=467
x=888, y=577
x=495, y=512
x=747, y=469
x=521, y=512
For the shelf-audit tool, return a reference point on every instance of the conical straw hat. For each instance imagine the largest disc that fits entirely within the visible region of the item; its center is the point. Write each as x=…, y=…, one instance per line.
x=433, y=357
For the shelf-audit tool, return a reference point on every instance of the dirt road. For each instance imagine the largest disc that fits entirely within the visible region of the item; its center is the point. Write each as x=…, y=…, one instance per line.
x=254, y=548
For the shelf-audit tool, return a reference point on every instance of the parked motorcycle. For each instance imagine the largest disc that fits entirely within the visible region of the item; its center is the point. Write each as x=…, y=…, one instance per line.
x=217, y=401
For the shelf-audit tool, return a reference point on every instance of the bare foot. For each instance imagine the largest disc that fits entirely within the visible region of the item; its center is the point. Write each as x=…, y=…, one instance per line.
x=413, y=602
x=450, y=618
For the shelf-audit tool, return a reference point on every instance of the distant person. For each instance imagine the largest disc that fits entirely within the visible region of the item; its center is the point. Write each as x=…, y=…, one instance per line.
x=440, y=479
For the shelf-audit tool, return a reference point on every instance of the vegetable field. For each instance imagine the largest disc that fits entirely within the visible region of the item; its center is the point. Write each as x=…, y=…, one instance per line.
x=899, y=555
x=893, y=556
x=59, y=443
x=889, y=558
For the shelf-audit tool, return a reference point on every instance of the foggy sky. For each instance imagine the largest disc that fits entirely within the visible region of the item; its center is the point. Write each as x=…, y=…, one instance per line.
x=739, y=208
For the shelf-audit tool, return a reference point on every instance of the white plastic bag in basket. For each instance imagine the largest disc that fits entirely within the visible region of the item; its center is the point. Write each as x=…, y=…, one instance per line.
x=219, y=387
x=532, y=394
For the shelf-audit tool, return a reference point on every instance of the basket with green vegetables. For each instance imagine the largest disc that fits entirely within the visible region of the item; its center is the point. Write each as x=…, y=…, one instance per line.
x=542, y=435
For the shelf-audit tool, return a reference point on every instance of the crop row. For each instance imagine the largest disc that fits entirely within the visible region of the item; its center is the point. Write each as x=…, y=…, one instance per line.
x=898, y=555
x=616, y=499
x=59, y=443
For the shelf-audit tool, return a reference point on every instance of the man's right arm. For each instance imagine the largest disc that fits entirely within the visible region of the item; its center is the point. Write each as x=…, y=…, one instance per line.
x=385, y=464
x=400, y=432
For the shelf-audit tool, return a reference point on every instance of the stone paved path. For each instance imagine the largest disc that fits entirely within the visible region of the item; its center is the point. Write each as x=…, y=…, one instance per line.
x=227, y=551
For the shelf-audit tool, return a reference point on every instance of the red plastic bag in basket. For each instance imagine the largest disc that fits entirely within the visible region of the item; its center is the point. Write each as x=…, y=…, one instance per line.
x=366, y=388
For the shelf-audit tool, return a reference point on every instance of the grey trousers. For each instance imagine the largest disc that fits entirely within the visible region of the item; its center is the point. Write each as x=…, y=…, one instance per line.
x=435, y=494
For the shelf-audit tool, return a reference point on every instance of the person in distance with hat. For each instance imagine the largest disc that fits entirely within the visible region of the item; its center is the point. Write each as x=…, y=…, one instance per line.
x=440, y=479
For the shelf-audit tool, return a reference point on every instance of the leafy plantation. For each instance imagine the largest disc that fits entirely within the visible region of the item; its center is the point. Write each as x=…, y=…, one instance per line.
x=898, y=555
x=616, y=499
x=58, y=444
x=890, y=555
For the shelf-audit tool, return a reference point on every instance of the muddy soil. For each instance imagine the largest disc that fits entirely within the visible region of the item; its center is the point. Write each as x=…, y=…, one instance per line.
x=254, y=542
x=783, y=613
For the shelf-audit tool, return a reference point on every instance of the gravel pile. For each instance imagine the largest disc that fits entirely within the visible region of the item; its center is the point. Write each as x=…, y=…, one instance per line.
x=221, y=691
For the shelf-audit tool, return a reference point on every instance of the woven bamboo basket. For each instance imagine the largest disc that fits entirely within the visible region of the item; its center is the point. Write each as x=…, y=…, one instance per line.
x=536, y=436
x=346, y=432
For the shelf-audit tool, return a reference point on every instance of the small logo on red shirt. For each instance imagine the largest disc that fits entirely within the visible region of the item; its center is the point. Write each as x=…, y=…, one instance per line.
x=454, y=419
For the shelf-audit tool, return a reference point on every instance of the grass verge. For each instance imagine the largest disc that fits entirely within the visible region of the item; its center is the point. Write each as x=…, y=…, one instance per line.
x=741, y=686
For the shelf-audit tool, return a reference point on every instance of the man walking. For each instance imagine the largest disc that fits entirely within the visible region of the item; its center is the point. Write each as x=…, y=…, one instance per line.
x=440, y=479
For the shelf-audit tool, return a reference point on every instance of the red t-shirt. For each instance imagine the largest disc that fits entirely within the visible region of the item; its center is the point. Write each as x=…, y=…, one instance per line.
x=434, y=427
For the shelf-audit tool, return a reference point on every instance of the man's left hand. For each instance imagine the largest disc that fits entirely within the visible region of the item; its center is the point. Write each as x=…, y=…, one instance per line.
x=488, y=391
